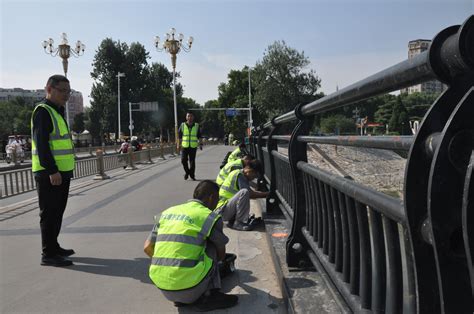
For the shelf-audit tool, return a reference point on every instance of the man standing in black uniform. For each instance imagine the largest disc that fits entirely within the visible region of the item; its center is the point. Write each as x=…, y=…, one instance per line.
x=52, y=165
x=189, y=135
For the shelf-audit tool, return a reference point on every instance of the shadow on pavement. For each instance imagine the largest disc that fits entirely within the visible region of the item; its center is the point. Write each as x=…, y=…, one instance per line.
x=136, y=269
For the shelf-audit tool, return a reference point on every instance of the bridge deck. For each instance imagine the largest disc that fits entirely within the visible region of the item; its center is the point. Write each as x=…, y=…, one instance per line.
x=106, y=222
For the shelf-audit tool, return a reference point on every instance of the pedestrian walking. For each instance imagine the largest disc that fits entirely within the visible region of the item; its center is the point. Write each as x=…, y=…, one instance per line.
x=190, y=139
x=52, y=165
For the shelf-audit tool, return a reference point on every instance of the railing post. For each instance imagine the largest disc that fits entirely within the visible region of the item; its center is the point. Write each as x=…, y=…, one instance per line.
x=14, y=157
x=162, y=155
x=261, y=185
x=296, y=245
x=272, y=199
x=103, y=149
x=90, y=150
x=130, y=163
x=149, y=154
x=100, y=166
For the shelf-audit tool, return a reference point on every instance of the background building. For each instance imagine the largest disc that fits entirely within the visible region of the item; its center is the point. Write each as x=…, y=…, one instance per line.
x=76, y=105
x=31, y=96
x=415, y=47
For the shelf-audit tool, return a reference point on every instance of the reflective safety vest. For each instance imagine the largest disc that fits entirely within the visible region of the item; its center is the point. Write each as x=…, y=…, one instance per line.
x=60, y=142
x=179, y=259
x=229, y=188
x=230, y=166
x=190, y=138
x=235, y=155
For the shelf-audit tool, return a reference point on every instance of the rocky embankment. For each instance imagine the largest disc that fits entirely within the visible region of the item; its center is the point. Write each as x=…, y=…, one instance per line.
x=382, y=170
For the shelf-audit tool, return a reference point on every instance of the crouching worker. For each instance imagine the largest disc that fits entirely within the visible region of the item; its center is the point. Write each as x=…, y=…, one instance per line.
x=238, y=153
x=186, y=246
x=231, y=166
x=235, y=194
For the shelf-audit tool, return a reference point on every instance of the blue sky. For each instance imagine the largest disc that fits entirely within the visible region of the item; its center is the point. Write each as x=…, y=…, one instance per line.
x=346, y=40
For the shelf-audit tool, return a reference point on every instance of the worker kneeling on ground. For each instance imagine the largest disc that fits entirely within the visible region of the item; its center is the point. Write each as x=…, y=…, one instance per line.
x=235, y=194
x=238, y=153
x=231, y=166
x=186, y=245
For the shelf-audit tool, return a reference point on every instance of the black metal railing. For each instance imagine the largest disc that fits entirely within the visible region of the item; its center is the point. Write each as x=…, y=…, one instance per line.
x=381, y=253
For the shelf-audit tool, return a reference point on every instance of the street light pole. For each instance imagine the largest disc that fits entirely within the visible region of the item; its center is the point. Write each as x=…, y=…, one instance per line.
x=119, y=75
x=64, y=51
x=250, y=106
x=173, y=47
x=175, y=108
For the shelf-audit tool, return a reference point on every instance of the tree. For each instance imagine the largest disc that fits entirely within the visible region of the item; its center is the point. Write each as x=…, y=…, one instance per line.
x=399, y=119
x=142, y=83
x=15, y=117
x=281, y=82
x=338, y=124
x=78, y=123
x=385, y=109
x=212, y=122
x=417, y=104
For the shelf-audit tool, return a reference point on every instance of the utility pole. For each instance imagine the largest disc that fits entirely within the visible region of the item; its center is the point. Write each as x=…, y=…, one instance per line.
x=119, y=75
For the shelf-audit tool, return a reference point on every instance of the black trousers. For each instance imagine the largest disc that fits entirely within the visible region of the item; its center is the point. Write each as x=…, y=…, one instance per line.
x=52, y=203
x=189, y=153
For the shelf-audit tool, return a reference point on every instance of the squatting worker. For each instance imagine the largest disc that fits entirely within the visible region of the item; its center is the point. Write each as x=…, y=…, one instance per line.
x=186, y=244
x=189, y=135
x=238, y=153
x=52, y=164
x=231, y=166
x=235, y=194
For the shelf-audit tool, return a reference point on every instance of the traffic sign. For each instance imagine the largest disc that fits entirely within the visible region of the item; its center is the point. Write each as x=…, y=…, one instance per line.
x=230, y=112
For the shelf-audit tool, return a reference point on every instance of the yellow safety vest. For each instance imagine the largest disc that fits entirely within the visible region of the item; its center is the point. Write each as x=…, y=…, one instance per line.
x=179, y=259
x=229, y=188
x=235, y=155
x=230, y=166
x=60, y=142
x=189, y=136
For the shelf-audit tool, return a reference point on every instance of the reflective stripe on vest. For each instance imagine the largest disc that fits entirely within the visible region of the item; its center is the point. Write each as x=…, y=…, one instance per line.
x=179, y=258
x=176, y=262
x=228, y=168
x=60, y=142
x=189, y=136
x=57, y=152
x=229, y=188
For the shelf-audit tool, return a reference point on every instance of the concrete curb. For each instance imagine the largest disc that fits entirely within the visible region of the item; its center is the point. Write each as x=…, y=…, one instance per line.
x=304, y=290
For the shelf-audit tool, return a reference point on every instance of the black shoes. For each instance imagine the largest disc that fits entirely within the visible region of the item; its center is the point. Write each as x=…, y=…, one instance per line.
x=240, y=226
x=193, y=177
x=251, y=223
x=65, y=252
x=227, y=266
x=55, y=260
x=186, y=176
x=214, y=301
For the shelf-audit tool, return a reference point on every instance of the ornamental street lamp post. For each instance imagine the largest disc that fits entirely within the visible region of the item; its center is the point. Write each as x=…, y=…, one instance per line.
x=64, y=51
x=173, y=47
